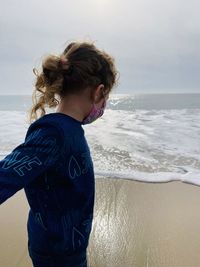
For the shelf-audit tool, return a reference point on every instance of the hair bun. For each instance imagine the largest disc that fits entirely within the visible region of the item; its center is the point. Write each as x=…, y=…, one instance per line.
x=63, y=60
x=50, y=75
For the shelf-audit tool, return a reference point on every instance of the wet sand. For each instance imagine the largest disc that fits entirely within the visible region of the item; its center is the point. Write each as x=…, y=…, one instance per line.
x=135, y=224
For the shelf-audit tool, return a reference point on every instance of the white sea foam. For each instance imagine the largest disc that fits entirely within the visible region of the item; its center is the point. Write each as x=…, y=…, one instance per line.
x=157, y=145
x=151, y=146
x=189, y=175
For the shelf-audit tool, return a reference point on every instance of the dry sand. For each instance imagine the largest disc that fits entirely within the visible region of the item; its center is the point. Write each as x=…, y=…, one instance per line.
x=135, y=224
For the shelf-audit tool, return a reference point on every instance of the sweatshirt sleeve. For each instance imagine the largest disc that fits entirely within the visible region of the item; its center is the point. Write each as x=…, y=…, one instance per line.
x=39, y=151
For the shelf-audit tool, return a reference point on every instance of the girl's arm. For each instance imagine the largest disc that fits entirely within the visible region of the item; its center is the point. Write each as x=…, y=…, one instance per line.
x=28, y=160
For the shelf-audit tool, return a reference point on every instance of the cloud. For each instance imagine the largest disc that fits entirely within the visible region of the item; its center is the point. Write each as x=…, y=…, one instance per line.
x=156, y=43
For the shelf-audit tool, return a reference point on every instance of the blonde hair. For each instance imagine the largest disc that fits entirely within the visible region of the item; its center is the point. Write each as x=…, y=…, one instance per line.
x=81, y=65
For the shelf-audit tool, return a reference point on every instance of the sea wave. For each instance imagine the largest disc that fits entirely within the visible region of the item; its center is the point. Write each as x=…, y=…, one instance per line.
x=144, y=145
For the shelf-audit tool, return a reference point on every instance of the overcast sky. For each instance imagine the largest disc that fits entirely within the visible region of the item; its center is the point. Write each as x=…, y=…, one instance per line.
x=155, y=43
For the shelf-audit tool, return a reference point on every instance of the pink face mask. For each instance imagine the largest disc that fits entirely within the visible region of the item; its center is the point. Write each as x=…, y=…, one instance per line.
x=95, y=113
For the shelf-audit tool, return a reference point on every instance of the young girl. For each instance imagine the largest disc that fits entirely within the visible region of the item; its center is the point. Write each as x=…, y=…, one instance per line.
x=54, y=164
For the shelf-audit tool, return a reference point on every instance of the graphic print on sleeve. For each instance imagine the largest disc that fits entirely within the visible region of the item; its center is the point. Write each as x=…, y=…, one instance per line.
x=28, y=160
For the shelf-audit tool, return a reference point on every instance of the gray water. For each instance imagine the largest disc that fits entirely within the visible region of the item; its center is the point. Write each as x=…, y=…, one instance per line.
x=119, y=101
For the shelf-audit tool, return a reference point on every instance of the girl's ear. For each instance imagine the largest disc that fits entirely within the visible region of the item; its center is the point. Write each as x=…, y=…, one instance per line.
x=98, y=93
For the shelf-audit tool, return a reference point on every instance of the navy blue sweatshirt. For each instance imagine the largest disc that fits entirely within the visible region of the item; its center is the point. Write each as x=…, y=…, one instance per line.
x=55, y=168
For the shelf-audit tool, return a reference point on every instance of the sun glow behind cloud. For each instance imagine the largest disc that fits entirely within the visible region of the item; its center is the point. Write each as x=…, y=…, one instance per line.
x=102, y=5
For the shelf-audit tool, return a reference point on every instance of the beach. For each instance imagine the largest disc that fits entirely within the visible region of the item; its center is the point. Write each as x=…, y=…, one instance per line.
x=135, y=224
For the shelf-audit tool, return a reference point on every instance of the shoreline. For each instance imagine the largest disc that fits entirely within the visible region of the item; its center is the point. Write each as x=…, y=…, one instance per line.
x=135, y=224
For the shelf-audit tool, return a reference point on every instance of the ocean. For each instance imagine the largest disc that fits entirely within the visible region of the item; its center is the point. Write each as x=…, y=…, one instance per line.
x=143, y=137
